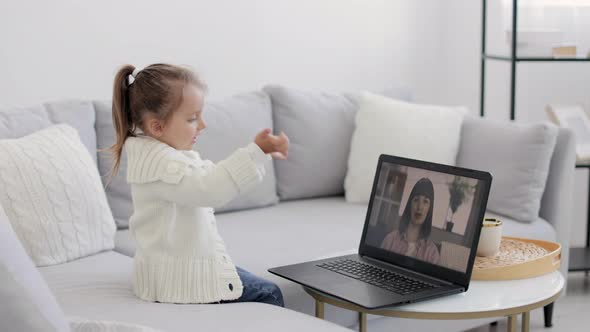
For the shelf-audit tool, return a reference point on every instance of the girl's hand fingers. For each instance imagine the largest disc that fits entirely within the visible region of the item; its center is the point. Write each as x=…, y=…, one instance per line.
x=283, y=150
x=276, y=141
x=279, y=144
x=282, y=139
x=283, y=135
x=278, y=155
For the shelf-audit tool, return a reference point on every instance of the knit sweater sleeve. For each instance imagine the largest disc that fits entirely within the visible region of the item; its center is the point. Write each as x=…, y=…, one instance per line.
x=212, y=185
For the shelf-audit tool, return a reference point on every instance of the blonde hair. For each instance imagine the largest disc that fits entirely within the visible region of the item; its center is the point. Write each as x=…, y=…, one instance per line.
x=156, y=90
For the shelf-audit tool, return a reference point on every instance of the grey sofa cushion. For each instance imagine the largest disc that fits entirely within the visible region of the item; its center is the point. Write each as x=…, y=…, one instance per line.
x=27, y=303
x=116, y=188
x=320, y=127
x=518, y=157
x=231, y=123
x=98, y=288
x=19, y=122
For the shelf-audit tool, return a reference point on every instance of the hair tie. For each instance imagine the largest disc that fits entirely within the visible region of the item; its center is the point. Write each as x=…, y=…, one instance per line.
x=132, y=77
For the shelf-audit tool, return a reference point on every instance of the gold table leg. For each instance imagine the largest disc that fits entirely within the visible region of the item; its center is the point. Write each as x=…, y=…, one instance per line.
x=512, y=323
x=362, y=322
x=319, y=309
x=526, y=321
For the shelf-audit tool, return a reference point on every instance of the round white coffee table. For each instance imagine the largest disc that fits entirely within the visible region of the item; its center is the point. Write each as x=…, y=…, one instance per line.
x=483, y=299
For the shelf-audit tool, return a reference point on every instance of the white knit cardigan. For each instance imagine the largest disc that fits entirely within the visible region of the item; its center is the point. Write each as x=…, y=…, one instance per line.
x=180, y=257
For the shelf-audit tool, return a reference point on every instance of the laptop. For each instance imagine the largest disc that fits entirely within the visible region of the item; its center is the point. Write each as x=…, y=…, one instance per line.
x=419, y=239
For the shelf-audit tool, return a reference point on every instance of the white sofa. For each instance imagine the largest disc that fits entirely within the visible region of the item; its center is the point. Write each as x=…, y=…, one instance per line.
x=298, y=214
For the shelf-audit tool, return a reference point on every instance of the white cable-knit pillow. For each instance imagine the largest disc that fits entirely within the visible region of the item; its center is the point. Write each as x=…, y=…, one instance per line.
x=389, y=126
x=53, y=196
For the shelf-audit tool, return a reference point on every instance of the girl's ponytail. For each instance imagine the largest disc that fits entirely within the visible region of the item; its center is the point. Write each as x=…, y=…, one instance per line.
x=124, y=126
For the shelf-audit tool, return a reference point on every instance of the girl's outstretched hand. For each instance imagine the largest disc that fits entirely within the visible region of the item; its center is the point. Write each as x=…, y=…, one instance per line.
x=276, y=145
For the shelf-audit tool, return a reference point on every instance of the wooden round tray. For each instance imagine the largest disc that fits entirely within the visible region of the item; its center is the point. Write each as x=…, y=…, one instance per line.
x=518, y=259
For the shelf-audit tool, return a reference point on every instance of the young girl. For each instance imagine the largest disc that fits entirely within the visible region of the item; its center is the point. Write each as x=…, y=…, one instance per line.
x=180, y=257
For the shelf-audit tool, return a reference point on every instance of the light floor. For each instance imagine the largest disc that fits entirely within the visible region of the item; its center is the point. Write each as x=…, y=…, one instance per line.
x=571, y=312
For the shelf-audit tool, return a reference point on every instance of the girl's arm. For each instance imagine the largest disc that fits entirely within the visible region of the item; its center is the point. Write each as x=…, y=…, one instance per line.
x=211, y=185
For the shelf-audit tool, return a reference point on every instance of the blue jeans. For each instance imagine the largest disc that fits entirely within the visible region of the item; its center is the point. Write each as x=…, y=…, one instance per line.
x=257, y=289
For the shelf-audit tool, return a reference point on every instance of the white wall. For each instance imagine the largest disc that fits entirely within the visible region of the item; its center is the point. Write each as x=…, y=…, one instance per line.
x=71, y=49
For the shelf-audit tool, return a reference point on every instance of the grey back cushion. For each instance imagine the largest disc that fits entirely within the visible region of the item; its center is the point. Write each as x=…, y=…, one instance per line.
x=232, y=123
x=19, y=122
x=116, y=188
x=27, y=302
x=319, y=126
x=518, y=158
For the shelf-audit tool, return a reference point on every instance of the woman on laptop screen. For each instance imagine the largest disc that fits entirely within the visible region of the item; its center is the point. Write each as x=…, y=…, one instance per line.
x=411, y=237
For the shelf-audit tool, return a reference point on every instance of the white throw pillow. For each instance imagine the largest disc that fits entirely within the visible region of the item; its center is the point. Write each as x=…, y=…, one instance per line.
x=389, y=126
x=53, y=196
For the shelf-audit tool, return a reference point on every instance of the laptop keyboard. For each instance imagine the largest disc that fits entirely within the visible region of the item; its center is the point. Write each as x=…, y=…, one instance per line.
x=375, y=276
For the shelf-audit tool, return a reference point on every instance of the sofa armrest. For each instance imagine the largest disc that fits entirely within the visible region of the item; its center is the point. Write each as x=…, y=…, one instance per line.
x=557, y=201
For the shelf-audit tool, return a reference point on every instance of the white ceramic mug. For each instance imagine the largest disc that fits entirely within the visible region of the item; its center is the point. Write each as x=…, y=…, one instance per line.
x=490, y=237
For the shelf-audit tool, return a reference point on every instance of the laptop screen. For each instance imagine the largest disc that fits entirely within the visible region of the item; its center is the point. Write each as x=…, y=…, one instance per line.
x=426, y=213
